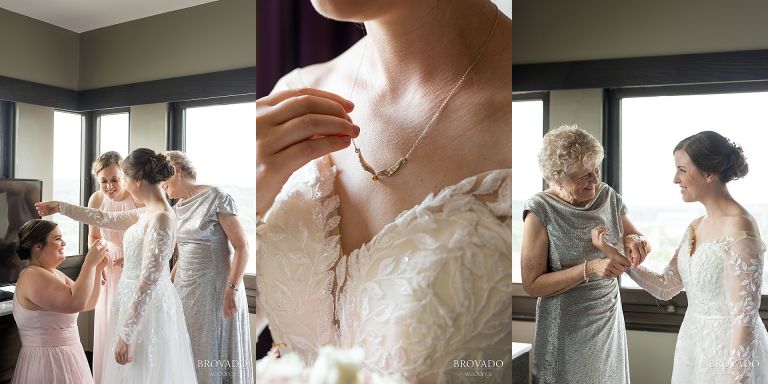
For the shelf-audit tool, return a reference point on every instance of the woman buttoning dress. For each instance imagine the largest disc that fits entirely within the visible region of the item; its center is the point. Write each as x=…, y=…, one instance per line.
x=399, y=244
x=149, y=342
x=720, y=264
x=111, y=197
x=209, y=275
x=46, y=304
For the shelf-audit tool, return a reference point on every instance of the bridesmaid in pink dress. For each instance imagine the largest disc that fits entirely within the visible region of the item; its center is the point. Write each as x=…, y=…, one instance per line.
x=111, y=197
x=46, y=305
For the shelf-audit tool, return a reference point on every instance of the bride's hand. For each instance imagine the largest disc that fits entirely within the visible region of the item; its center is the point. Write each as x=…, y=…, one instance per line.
x=294, y=127
x=47, y=208
x=636, y=248
x=599, y=241
x=229, y=306
x=123, y=352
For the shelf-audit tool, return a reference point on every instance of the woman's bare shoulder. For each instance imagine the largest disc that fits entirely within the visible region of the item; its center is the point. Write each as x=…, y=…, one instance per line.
x=323, y=75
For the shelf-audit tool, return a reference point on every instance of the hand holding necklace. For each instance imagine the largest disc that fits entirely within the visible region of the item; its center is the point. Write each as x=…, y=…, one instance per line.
x=294, y=127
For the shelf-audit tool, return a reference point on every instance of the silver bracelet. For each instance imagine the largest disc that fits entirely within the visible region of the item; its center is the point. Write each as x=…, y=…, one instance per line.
x=232, y=286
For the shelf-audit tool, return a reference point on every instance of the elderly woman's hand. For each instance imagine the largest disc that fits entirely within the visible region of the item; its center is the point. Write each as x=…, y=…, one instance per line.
x=614, y=264
x=294, y=127
x=636, y=248
x=607, y=268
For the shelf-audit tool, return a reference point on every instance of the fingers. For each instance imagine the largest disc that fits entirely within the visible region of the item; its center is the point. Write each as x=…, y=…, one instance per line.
x=45, y=208
x=295, y=107
x=301, y=153
x=277, y=98
x=307, y=127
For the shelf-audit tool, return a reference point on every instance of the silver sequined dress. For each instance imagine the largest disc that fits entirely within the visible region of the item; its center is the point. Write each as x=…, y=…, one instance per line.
x=221, y=347
x=580, y=334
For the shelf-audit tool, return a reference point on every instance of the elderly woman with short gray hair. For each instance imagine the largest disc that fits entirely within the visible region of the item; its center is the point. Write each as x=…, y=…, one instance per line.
x=580, y=334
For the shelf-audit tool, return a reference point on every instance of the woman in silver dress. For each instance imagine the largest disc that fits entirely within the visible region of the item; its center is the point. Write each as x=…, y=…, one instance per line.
x=580, y=334
x=209, y=276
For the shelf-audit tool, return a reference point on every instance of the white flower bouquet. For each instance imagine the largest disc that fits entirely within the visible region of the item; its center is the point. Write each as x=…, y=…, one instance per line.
x=332, y=366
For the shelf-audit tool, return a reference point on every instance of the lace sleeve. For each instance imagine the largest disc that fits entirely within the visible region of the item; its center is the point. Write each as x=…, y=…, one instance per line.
x=102, y=219
x=743, y=280
x=663, y=286
x=159, y=242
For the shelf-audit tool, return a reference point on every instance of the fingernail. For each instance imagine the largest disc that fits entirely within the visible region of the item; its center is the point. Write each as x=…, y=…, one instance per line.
x=356, y=129
x=350, y=105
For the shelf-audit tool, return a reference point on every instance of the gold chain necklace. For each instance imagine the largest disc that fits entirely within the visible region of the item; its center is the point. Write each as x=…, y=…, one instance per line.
x=376, y=175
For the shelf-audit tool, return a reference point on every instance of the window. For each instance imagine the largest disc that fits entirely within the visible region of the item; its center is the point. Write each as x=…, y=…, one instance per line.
x=220, y=140
x=651, y=126
x=67, y=173
x=527, y=132
x=113, y=133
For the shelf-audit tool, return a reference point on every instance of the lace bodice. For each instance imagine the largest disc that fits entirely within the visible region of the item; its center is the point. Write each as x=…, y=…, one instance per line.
x=431, y=287
x=723, y=280
x=148, y=244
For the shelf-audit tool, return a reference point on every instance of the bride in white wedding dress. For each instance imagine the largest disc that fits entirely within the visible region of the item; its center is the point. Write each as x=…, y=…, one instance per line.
x=149, y=342
x=720, y=264
x=411, y=263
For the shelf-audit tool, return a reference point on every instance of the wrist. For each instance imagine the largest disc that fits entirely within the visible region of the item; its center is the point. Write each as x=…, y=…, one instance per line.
x=231, y=287
x=588, y=270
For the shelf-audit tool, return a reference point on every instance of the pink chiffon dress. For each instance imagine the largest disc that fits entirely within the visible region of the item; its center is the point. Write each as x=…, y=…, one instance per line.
x=51, y=351
x=102, y=321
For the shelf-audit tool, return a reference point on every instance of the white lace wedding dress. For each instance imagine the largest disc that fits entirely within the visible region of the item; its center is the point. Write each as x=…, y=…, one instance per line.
x=721, y=339
x=431, y=290
x=147, y=308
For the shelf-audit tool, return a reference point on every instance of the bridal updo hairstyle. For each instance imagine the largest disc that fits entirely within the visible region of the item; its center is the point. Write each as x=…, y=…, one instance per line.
x=146, y=164
x=711, y=152
x=32, y=233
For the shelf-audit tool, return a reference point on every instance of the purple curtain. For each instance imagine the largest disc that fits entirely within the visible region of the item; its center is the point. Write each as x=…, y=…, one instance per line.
x=290, y=34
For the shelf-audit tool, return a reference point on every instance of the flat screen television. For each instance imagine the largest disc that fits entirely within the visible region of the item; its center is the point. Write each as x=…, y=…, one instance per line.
x=17, y=206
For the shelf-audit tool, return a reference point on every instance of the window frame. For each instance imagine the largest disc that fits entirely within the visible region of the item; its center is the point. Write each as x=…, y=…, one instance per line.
x=524, y=305
x=97, y=129
x=642, y=311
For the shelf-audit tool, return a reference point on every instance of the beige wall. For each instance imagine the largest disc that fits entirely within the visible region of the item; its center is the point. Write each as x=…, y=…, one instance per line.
x=35, y=51
x=207, y=38
x=148, y=127
x=565, y=30
x=582, y=107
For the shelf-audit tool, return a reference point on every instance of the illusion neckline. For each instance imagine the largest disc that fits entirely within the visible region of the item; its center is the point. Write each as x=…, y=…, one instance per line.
x=722, y=240
x=373, y=241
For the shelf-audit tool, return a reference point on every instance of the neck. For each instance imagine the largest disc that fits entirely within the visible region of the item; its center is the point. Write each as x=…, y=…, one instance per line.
x=154, y=199
x=430, y=44
x=186, y=188
x=35, y=261
x=122, y=195
x=718, y=203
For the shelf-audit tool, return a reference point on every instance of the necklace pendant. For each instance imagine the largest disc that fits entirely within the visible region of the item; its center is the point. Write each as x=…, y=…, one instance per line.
x=377, y=175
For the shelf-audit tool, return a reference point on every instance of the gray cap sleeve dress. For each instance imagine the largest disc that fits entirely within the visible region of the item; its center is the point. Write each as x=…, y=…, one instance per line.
x=221, y=347
x=580, y=334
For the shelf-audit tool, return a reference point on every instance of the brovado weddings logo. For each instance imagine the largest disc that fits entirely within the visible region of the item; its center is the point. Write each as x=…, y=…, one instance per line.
x=479, y=368
x=478, y=363
x=222, y=364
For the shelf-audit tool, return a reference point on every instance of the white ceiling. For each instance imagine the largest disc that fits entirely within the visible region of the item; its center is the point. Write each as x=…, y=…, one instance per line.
x=85, y=15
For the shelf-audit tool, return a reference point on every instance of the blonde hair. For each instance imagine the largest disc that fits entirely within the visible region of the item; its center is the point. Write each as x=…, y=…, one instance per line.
x=105, y=160
x=180, y=161
x=566, y=150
